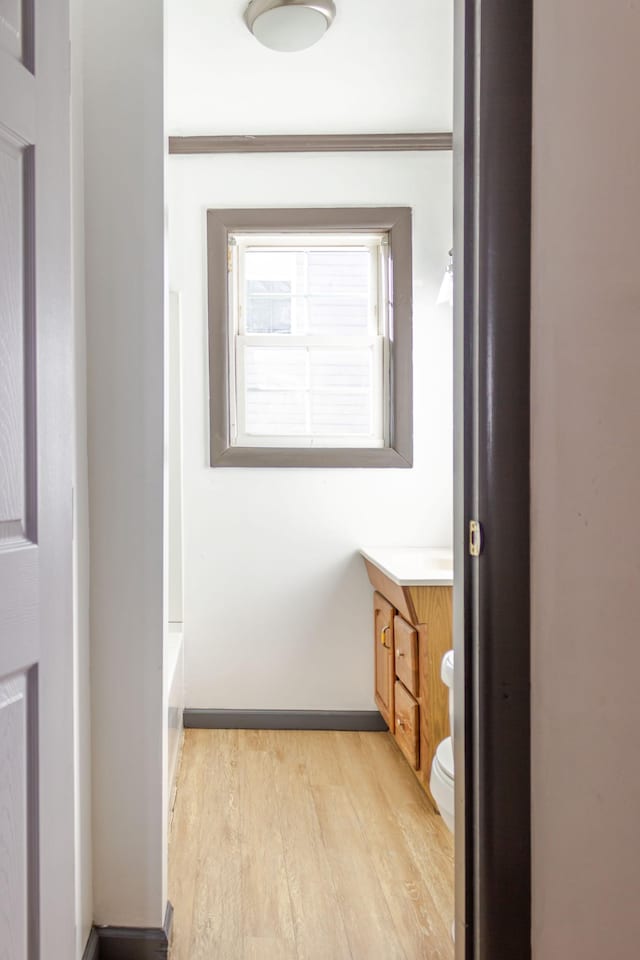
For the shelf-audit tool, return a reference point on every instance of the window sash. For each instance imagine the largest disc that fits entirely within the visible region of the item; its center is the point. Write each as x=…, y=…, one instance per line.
x=376, y=338
x=377, y=245
x=378, y=391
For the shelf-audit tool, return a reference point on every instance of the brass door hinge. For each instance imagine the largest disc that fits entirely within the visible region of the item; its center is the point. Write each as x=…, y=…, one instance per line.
x=475, y=538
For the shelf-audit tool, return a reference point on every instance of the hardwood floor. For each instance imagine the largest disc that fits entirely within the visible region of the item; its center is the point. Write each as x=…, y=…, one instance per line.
x=306, y=846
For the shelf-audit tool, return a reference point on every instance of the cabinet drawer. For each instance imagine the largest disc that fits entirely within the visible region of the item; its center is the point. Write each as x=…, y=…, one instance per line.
x=406, y=644
x=407, y=717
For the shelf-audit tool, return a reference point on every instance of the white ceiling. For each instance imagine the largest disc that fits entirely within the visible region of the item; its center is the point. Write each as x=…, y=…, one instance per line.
x=384, y=66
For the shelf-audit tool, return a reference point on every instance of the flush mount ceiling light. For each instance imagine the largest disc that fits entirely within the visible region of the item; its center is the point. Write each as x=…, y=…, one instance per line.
x=289, y=25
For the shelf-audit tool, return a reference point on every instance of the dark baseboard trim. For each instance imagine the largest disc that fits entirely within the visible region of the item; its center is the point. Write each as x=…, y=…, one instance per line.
x=91, y=951
x=130, y=943
x=368, y=720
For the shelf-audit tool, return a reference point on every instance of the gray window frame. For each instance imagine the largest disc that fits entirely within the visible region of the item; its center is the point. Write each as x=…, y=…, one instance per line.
x=395, y=220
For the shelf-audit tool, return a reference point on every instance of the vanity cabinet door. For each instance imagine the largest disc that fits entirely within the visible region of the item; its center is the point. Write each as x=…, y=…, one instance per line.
x=407, y=719
x=383, y=614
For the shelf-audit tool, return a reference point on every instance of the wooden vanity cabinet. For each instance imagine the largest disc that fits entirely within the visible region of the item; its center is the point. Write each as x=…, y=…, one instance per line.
x=412, y=632
x=383, y=614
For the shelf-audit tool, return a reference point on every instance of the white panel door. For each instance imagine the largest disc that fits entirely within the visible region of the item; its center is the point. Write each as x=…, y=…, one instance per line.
x=36, y=643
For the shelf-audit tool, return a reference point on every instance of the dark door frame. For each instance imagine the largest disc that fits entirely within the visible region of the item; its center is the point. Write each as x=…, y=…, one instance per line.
x=492, y=226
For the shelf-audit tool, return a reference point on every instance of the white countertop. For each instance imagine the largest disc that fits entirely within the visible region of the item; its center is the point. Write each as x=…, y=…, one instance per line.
x=413, y=566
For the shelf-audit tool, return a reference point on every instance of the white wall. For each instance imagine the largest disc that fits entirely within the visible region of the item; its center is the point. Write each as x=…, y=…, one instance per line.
x=82, y=710
x=586, y=478
x=174, y=492
x=277, y=603
x=173, y=657
x=124, y=175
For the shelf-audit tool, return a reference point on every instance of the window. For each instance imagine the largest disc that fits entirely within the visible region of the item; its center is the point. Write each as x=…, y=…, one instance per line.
x=310, y=337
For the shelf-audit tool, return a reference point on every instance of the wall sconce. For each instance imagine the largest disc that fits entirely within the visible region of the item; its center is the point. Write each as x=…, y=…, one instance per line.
x=446, y=287
x=289, y=25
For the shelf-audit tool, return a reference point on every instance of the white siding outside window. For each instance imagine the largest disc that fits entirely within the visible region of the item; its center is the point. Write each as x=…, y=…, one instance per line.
x=309, y=340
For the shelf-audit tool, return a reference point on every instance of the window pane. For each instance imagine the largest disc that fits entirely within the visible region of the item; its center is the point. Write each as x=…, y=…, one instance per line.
x=338, y=317
x=341, y=369
x=272, y=265
x=341, y=415
x=308, y=391
x=268, y=314
x=269, y=274
x=307, y=291
x=276, y=413
x=275, y=391
x=257, y=287
x=341, y=397
x=276, y=368
x=339, y=271
x=339, y=292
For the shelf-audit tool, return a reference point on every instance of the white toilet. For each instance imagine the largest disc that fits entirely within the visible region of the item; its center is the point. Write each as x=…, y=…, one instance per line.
x=442, y=782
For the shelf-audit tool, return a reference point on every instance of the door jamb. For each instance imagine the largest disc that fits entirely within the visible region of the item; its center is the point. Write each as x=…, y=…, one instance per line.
x=492, y=228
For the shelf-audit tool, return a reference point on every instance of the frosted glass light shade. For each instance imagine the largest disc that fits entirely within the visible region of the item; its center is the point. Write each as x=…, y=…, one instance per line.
x=289, y=25
x=445, y=294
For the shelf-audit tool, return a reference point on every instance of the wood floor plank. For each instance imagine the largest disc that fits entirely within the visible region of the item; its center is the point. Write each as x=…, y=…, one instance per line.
x=385, y=755
x=320, y=758
x=255, y=739
x=317, y=914
x=265, y=892
x=185, y=828
x=368, y=923
x=406, y=880
x=263, y=948
x=425, y=833
x=431, y=844
x=217, y=915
